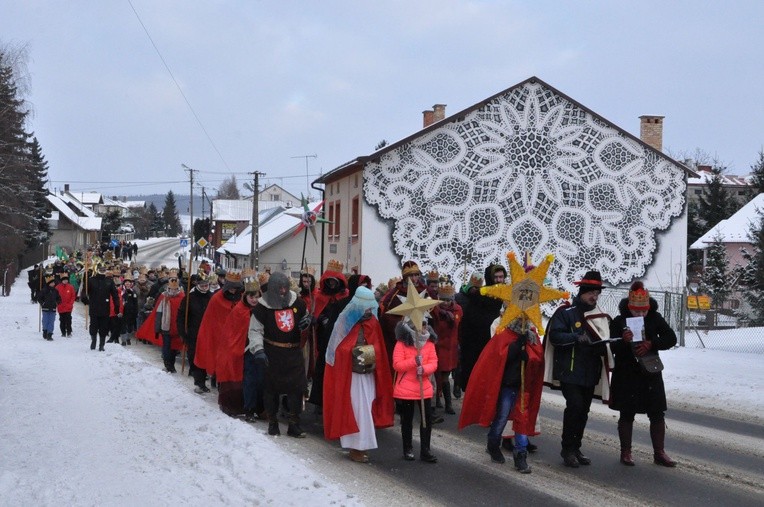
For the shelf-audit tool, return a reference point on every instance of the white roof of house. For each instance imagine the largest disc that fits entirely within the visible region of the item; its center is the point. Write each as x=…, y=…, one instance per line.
x=84, y=218
x=704, y=177
x=232, y=210
x=734, y=229
x=271, y=231
x=87, y=198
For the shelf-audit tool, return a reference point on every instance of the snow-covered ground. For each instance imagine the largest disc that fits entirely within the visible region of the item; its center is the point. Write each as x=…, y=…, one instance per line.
x=81, y=427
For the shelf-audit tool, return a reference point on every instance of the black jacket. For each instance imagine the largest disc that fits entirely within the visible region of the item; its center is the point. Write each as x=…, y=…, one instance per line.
x=49, y=298
x=632, y=390
x=101, y=292
x=197, y=304
x=574, y=362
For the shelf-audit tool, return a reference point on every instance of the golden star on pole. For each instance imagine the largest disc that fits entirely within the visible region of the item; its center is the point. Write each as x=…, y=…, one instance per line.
x=414, y=307
x=525, y=292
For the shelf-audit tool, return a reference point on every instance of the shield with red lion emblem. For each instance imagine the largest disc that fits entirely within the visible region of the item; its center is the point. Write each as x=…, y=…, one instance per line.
x=285, y=320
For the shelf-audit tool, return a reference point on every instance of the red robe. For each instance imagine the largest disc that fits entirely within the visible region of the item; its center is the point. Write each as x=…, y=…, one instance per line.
x=338, y=410
x=447, y=331
x=146, y=331
x=210, y=330
x=479, y=406
x=229, y=365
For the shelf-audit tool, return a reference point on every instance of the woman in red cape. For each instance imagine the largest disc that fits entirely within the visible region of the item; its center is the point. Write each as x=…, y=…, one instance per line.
x=347, y=393
x=482, y=399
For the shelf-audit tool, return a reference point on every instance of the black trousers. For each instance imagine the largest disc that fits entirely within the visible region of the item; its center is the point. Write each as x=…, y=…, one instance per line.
x=65, y=323
x=294, y=404
x=99, y=326
x=578, y=400
x=407, y=422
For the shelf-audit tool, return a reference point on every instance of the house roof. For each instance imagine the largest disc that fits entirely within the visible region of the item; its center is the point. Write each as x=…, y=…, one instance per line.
x=232, y=210
x=734, y=229
x=87, y=198
x=358, y=163
x=277, y=227
x=85, y=219
x=704, y=176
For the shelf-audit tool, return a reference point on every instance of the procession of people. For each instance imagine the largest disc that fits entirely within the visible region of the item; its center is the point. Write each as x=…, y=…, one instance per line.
x=272, y=347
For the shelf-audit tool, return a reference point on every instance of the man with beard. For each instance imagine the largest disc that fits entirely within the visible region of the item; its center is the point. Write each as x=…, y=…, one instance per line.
x=280, y=317
x=331, y=288
x=190, y=316
x=100, y=295
x=479, y=312
x=220, y=305
x=392, y=299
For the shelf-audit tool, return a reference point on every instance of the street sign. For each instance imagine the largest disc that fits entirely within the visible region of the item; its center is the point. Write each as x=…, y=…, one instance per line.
x=202, y=242
x=183, y=242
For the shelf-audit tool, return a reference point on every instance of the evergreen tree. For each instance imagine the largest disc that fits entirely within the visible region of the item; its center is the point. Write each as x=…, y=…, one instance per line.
x=753, y=274
x=18, y=217
x=757, y=175
x=156, y=220
x=202, y=229
x=38, y=175
x=170, y=216
x=716, y=203
x=716, y=274
x=110, y=224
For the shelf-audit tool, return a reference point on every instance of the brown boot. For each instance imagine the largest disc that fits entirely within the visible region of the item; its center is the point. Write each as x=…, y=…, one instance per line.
x=358, y=456
x=625, y=429
x=658, y=436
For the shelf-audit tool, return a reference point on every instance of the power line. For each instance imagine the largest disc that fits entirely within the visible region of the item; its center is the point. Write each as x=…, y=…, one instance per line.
x=177, y=85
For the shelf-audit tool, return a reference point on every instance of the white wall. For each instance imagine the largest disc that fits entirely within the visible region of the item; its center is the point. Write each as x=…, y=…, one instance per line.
x=378, y=260
x=668, y=270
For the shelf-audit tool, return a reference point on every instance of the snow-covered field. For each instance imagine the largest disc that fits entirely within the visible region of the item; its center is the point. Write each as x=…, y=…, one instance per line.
x=81, y=427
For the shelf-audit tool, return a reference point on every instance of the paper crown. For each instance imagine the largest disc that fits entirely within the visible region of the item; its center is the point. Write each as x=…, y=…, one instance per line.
x=410, y=268
x=334, y=265
x=248, y=273
x=393, y=281
x=263, y=278
x=446, y=291
x=50, y=278
x=433, y=276
x=639, y=297
x=233, y=276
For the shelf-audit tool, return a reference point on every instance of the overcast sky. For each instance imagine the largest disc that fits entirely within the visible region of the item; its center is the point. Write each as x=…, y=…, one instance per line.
x=273, y=80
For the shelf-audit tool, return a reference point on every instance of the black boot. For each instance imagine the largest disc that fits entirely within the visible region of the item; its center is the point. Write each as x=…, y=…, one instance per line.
x=447, y=398
x=424, y=449
x=408, y=448
x=92, y=342
x=625, y=429
x=101, y=343
x=494, y=449
x=569, y=458
x=658, y=436
x=294, y=429
x=521, y=462
x=273, y=428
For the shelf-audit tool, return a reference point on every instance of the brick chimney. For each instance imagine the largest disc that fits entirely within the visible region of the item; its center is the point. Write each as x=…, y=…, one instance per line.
x=427, y=118
x=437, y=113
x=66, y=187
x=651, y=130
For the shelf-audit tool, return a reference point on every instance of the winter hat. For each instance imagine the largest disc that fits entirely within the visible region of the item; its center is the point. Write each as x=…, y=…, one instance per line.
x=476, y=280
x=592, y=280
x=639, y=297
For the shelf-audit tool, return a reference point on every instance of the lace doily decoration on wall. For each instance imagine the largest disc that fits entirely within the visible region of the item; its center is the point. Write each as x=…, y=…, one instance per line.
x=528, y=171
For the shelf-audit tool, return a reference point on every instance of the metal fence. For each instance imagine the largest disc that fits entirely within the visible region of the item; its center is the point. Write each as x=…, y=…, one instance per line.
x=723, y=330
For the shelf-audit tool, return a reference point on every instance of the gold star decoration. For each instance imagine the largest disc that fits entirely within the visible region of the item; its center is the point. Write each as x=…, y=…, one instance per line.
x=414, y=307
x=525, y=293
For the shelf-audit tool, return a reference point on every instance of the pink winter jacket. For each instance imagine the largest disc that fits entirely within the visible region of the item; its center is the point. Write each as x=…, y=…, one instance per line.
x=404, y=363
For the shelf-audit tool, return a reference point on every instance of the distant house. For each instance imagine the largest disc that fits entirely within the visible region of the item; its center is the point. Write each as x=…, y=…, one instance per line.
x=526, y=170
x=733, y=233
x=279, y=248
x=73, y=225
x=275, y=195
x=738, y=187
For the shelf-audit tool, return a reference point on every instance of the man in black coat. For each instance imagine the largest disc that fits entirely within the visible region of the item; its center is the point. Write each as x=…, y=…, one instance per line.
x=190, y=314
x=101, y=292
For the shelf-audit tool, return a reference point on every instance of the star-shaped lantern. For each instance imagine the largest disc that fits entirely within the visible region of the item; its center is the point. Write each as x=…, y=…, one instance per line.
x=525, y=292
x=308, y=217
x=414, y=307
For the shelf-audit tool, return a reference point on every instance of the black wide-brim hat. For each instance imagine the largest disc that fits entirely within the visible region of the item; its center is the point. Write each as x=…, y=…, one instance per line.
x=592, y=280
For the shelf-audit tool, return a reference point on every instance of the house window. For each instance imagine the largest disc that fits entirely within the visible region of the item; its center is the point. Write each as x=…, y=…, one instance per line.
x=337, y=218
x=331, y=220
x=333, y=248
x=698, y=191
x=275, y=197
x=354, y=218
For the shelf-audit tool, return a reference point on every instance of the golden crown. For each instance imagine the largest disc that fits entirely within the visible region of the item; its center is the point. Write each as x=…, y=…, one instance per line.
x=263, y=278
x=233, y=276
x=334, y=265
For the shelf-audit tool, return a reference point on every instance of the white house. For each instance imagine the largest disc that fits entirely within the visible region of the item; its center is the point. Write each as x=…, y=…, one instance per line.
x=528, y=169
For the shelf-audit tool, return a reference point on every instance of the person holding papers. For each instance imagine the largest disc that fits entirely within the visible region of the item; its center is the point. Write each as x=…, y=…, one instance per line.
x=635, y=389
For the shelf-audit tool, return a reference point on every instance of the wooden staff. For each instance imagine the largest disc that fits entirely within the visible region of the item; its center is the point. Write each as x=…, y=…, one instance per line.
x=39, y=308
x=188, y=295
x=421, y=382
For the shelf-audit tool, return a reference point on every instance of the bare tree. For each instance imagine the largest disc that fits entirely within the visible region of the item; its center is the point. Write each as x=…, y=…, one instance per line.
x=229, y=189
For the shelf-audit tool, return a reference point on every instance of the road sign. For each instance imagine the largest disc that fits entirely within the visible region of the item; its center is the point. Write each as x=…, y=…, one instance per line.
x=202, y=242
x=183, y=242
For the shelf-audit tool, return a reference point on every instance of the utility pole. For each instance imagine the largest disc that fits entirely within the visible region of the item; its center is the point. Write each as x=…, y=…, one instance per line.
x=191, y=211
x=254, y=246
x=307, y=176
